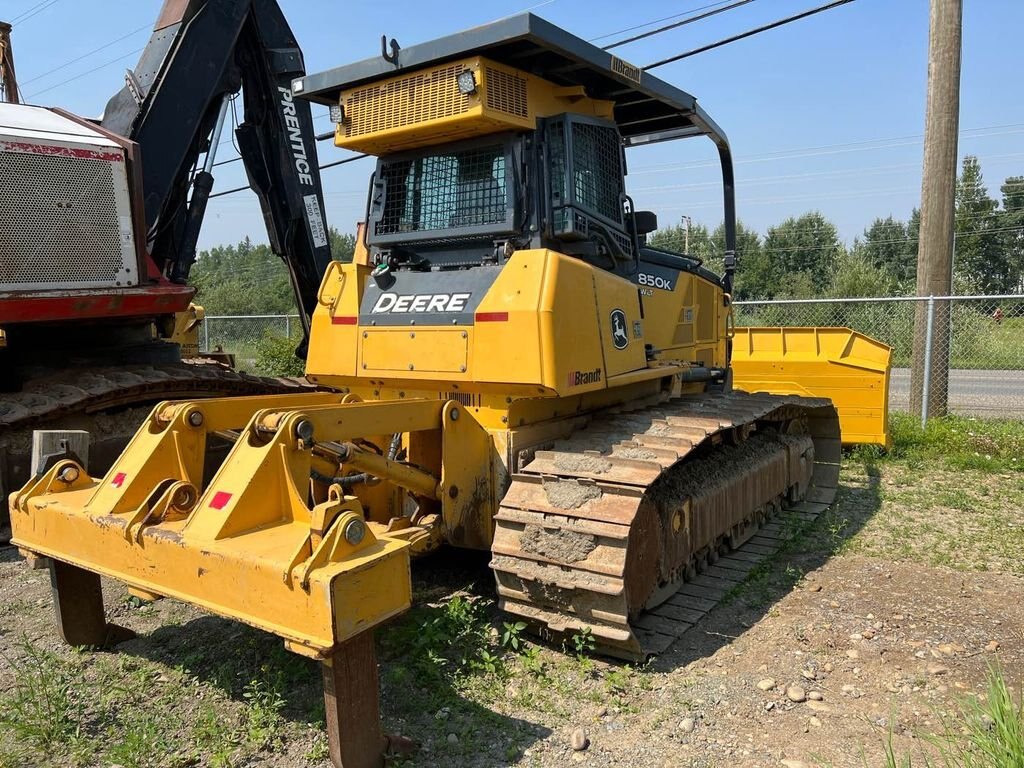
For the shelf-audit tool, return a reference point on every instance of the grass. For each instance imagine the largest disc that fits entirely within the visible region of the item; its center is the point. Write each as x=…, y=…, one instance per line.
x=988, y=733
x=951, y=494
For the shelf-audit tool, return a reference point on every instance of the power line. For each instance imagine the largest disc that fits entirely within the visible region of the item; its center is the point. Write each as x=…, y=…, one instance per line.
x=831, y=149
x=656, y=21
x=87, y=55
x=677, y=24
x=322, y=168
x=87, y=72
x=748, y=33
x=34, y=11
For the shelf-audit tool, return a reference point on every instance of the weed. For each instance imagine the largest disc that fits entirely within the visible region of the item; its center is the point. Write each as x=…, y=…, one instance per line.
x=319, y=750
x=263, y=714
x=583, y=642
x=512, y=637
x=990, y=734
x=137, y=741
x=44, y=707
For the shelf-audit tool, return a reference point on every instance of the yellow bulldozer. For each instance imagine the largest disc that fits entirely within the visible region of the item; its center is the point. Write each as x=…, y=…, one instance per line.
x=510, y=367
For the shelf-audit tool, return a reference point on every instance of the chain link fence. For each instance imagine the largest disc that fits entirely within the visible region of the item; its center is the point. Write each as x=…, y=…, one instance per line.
x=982, y=337
x=244, y=336
x=983, y=341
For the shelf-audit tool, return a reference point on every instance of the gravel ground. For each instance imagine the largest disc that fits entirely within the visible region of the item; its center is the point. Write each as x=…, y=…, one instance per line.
x=871, y=624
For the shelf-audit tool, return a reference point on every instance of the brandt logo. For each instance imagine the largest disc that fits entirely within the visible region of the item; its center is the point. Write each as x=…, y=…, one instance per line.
x=620, y=336
x=579, y=378
x=421, y=302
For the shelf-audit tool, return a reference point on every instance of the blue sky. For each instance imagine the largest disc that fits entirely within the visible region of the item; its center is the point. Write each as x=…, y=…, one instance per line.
x=826, y=113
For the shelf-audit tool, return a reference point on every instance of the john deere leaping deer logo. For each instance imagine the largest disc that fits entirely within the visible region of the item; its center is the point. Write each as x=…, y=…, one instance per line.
x=620, y=337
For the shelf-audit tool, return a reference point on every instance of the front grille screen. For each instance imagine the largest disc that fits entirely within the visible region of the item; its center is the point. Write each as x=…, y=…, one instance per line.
x=59, y=221
x=454, y=190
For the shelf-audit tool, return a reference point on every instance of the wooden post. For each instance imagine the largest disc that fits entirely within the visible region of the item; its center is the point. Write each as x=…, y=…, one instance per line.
x=352, y=704
x=938, y=206
x=8, y=79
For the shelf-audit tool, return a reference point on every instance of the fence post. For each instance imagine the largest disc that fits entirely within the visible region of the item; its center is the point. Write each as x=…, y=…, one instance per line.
x=926, y=383
x=206, y=335
x=287, y=326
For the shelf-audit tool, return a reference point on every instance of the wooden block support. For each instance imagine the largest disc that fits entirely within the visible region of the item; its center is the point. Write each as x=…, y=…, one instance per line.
x=48, y=443
x=352, y=705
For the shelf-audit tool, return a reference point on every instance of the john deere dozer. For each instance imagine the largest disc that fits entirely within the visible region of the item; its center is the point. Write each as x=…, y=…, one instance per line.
x=514, y=369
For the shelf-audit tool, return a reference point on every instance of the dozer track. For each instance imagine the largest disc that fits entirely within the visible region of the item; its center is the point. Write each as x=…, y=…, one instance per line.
x=637, y=524
x=110, y=403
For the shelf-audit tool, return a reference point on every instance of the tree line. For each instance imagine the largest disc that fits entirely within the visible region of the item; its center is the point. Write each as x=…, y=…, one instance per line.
x=803, y=256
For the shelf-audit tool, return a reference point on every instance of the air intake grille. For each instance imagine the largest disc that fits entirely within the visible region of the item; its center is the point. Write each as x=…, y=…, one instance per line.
x=506, y=93
x=59, y=221
x=405, y=101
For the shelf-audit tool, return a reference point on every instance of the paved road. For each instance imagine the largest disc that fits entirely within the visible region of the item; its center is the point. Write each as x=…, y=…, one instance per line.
x=983, y=393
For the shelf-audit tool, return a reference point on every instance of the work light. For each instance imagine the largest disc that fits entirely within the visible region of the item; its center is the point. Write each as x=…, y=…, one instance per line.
x=337, y=113
x=467, y=83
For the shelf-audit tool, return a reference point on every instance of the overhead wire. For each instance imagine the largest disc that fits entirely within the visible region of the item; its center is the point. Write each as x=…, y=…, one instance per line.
x=657, y=21
x=93, y=52
x=87, y=72
x=748, y=33
x=35, y=10
x=677, y=24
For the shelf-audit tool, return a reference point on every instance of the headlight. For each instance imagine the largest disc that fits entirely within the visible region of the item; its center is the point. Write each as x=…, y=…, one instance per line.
x=337, y=113
x=467, y=82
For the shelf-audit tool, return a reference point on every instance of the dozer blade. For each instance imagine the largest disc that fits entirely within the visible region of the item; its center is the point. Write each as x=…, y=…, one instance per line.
x=245, y=544
x=849, y=368
x=617, y=530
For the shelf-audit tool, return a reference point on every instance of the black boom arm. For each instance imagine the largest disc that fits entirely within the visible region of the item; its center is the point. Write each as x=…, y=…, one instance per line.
x=202, y=52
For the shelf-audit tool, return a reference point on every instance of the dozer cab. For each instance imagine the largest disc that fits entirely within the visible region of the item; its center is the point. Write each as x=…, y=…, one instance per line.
x=512, y=368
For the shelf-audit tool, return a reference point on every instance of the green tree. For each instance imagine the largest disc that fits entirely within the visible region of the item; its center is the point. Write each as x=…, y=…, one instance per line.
x=980, y=258
x=803, y=253
x=889, y=246
x=710, y=248
x=857, y=276
x=343, y=246
x=248, y=279
x=1011, y=224
x=674, y=238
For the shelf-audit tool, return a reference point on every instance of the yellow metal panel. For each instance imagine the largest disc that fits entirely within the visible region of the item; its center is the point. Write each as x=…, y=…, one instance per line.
x=419, y=351
x=468, y=487
x=848, y=367
x=333, y=342
x=426, y=107
x=617, y=298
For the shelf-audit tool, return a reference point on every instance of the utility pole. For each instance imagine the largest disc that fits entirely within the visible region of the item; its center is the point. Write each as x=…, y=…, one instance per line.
x=686, y=235
x=8, y=80
x=938, y=212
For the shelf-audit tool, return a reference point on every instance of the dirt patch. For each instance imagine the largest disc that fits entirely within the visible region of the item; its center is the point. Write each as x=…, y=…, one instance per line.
x=567, y=494
x=559, y=545
x=640, y=454
x=570, y=462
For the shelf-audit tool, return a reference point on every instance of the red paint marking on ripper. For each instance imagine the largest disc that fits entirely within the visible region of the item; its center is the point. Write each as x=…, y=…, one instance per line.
x=220, y=500
x=118, y=480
